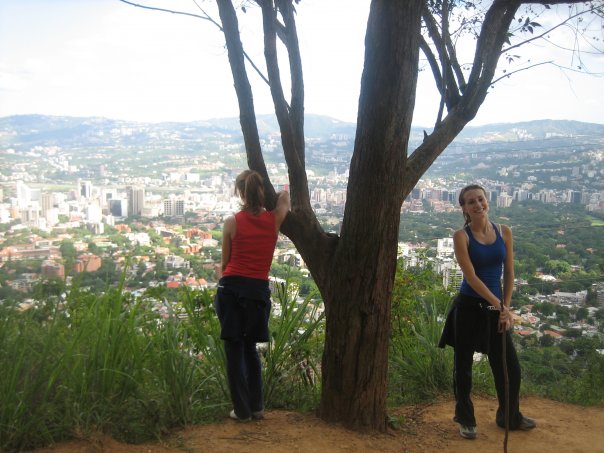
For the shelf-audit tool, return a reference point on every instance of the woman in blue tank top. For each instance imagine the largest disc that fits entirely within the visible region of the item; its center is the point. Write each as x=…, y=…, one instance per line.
x=481, y=312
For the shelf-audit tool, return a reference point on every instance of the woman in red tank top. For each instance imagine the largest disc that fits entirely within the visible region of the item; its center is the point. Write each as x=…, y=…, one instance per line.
x=243, y=296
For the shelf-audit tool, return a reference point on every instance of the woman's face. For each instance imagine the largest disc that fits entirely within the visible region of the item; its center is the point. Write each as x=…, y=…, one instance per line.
x=475, y=204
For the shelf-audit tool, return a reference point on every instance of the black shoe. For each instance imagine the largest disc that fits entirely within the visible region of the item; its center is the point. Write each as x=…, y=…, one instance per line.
x=526, y=424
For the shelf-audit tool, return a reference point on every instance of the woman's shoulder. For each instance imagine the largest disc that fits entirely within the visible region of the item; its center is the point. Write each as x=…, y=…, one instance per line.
x=461, y=235
x=230, y=224
x=505, y=231
x=503, y=227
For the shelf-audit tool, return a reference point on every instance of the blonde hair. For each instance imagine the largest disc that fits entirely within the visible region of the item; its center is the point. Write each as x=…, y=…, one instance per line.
x=250, y=187
x=462, y=201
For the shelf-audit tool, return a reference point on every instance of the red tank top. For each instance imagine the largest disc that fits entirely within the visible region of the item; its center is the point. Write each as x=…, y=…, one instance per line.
x=253, y=246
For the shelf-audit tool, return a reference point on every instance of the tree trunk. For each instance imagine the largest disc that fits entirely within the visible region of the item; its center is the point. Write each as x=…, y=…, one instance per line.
x=357, y=295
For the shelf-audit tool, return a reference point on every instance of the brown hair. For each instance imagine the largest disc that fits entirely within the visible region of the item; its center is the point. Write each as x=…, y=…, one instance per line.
x=462, y=201
x=250, y=188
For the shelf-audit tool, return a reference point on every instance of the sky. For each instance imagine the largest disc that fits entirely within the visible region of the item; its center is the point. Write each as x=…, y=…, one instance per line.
x=105, y=58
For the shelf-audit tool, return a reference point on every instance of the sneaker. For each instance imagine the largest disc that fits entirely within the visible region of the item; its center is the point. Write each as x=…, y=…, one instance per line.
x=258, y=415
x=526, y=424
x=233, y=415
x=467, y=432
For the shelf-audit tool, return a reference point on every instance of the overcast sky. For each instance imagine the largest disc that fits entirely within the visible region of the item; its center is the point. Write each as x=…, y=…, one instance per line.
x=105, y=58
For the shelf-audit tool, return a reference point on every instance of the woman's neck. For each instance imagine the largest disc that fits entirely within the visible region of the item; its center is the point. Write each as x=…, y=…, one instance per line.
x=254, y=212
x=481, y=225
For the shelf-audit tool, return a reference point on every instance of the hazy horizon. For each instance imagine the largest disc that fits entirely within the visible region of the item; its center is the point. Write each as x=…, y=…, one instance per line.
x=104, y=58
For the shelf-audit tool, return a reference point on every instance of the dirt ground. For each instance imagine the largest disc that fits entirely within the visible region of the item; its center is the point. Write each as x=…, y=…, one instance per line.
x=562, y=428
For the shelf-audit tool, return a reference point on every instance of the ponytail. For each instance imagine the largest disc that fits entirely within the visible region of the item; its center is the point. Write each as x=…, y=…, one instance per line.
x=250, y=187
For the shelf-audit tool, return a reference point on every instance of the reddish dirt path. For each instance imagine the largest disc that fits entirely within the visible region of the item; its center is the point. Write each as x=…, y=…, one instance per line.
x=561, y=428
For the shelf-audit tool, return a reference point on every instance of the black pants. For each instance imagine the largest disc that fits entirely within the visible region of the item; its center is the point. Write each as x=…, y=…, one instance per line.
x=243, y=308
x=467, y=319
x=244, y=373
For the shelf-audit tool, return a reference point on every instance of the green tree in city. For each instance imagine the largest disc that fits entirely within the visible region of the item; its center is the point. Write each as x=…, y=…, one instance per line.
x=69, y=253
x=581, y=314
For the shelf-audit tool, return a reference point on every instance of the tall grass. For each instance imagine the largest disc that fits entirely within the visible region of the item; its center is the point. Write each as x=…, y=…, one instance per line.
x=105, y=363
x=419, y=370
x=32, y=391
x=291, y=372
x=111, y=363
x=203, y=328
x=289, y=360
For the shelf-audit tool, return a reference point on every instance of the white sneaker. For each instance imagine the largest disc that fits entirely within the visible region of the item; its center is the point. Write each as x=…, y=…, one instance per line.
x=467, y=432
x=233, y=415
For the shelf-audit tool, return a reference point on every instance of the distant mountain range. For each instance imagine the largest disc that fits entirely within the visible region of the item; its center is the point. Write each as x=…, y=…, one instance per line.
x=22, y=132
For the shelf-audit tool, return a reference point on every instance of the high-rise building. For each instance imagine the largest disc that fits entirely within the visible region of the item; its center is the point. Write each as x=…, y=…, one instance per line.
x=174, y=207
x=136, y=200
x=30, y=216
x=23, y=195
x=85, y=189
x=94, y=213
x=46, y=202
x=118, y=207
x=504, y=201
x=180, y=207
x=574, y=196
x=444, y=247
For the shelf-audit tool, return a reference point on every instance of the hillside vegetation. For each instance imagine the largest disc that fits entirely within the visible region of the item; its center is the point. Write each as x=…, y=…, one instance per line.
x=86, y=363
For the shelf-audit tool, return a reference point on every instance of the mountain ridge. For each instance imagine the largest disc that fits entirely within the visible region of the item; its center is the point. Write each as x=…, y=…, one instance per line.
x=24, y=131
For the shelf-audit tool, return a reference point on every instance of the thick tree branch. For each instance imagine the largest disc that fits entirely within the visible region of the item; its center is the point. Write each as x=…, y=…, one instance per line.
x=298, y=180
x=386, y=104
x=442, y=51
x=297, y=80
x=425, y=48
x=247, y=113
x=492, y=37
x=461, y=81
x=446, y=83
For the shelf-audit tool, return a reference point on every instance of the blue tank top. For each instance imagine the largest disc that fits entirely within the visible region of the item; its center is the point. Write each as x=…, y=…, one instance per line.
x=488, y=263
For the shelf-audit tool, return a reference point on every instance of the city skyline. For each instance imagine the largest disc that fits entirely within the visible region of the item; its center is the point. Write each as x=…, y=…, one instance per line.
x=106, y=58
